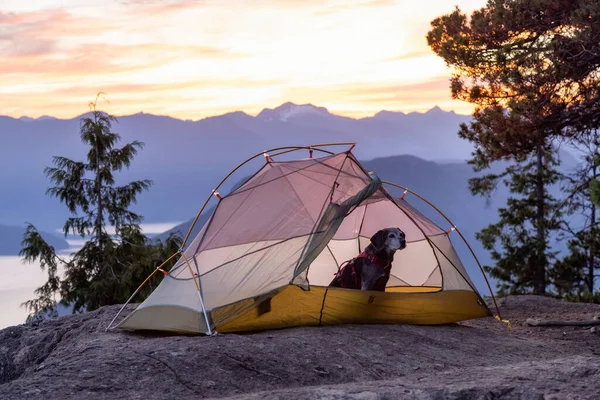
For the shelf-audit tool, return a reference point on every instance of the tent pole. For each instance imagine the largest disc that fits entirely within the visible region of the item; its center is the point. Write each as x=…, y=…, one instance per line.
x=296, y=149
x=460, y=234
x=199, y=294
x=140, y=288
x=180, y=252
x=209, y=333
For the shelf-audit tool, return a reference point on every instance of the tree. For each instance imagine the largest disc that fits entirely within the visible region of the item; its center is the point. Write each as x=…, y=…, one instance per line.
x=108, y=266
x=522, y=263
x=530, y=67
x=575, y=274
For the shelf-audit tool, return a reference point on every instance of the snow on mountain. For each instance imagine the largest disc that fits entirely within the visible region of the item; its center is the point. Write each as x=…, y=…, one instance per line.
x=290, y=110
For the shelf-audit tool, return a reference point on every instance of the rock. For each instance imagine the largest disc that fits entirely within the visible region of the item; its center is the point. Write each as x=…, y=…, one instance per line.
x=593, y=329
x=74, y=358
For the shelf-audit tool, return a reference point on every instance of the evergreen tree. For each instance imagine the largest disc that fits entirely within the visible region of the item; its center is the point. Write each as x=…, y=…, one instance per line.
x=524, y=229
x=531, y=70
x=107, y=269
x=575, y=274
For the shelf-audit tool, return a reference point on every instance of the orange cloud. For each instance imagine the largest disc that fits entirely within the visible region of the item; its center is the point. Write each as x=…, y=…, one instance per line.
x=434, y=85
x=411, y=55
x=195, y=58
x=93, y=59
x=160, y=8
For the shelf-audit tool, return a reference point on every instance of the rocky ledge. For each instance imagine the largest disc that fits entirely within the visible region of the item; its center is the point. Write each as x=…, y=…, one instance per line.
x=74, y=358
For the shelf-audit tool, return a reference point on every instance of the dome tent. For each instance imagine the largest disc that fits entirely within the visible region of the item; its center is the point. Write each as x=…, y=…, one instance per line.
x=265, y=257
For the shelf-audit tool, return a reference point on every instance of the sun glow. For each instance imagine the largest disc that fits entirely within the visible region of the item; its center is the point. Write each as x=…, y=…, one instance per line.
x=196, y=58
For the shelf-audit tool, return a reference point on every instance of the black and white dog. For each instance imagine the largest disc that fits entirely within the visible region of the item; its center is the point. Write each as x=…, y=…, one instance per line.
x=371, y=269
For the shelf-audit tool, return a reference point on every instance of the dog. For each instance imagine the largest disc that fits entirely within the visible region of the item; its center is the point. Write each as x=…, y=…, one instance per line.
x=371, y=269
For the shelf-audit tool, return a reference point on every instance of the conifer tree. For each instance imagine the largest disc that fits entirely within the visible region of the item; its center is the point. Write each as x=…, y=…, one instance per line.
x=110, y=265
x=531, y=70
x=575, y=275
x=520, y=241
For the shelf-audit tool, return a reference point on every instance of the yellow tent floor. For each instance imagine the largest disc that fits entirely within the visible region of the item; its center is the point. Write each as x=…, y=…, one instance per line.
x=292, y=306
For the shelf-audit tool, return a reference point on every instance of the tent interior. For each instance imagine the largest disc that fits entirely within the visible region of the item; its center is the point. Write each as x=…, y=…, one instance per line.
x=266, y=256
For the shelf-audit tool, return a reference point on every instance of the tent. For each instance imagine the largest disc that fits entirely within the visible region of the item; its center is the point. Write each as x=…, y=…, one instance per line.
x=265, y=257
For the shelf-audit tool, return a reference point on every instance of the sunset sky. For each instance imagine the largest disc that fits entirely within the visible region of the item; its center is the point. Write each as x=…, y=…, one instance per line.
x=197, y=58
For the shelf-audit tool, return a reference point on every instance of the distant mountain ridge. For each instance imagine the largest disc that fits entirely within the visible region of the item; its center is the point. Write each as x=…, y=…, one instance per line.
x=11, y=237
x=186, y=159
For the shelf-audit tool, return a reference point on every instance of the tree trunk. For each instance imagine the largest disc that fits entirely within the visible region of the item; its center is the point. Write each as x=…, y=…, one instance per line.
x=99, y=217
x=539, y=283
x=592, y=249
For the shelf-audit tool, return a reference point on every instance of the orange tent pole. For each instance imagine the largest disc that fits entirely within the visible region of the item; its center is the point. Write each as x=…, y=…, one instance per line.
x=180, y=252
x=458, y=231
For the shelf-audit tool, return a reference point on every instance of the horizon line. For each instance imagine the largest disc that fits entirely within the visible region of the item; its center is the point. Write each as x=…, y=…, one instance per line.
x=253, y=115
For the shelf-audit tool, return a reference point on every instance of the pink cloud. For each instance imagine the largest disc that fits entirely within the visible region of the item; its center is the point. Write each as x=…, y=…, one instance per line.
x=397, y=89
x=115, y=89
x=412, y=54
x=34, y=57
x=160, y=8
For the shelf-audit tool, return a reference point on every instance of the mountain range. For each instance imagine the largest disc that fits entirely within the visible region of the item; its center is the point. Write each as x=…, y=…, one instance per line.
x=11, y=237
x=187, y=159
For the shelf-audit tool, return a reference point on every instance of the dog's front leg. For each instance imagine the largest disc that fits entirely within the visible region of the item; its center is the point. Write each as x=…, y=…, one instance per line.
x=370, y=276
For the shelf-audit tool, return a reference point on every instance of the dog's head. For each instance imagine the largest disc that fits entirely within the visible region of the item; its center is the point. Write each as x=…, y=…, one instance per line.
x=390, y=239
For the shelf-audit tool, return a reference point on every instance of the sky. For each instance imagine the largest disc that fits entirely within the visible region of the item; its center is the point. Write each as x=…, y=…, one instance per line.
x=192, y=59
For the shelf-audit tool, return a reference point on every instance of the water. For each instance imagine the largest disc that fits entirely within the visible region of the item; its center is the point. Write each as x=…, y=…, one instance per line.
x=18, y=282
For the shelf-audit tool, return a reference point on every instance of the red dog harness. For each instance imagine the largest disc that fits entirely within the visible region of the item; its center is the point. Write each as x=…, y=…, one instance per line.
x=384, y=264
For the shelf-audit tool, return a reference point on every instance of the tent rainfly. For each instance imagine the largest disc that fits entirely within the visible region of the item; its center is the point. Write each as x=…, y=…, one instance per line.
x=267, y=254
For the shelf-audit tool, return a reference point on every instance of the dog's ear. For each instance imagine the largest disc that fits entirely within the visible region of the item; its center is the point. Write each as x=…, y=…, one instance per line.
x=378, y=239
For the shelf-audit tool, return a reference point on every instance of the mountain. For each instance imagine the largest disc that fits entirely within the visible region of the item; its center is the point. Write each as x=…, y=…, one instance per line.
x=11, y=237
x=186, y=159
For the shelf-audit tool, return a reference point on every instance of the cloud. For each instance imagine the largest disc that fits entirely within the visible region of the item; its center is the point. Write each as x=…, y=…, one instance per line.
x=194, y=58
x=122, y=89
x=421, y=88
x=337, y=7
x=363, y=99
x=27, y=48
x=160, y=8
x=412, y=54
x=33, y=57
x=49, y=23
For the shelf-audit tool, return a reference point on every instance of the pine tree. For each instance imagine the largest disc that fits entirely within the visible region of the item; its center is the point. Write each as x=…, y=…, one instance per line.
x=108, y=266
x=520, y=241
x=530, y=68
x=575, y=274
